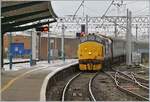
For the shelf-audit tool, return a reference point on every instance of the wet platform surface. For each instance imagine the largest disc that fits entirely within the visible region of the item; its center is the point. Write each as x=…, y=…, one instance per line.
x=25, y=84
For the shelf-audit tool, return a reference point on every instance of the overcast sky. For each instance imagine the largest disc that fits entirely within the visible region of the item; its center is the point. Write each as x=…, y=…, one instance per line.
x=97, y=8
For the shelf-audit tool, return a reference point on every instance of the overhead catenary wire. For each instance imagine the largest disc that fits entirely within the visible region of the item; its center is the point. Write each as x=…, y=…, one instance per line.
x=131, y=2
x=92, y=10
x=83, y=8
x=78, y=9
x=105, y=18
x=141, y=10
x=108, y=20
x=55, y=27
x=112, y=21
x=108, y=9
x=106, y=12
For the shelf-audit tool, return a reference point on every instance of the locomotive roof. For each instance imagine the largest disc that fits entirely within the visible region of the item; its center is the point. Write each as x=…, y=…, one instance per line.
x=104, y=39
x=94, y=37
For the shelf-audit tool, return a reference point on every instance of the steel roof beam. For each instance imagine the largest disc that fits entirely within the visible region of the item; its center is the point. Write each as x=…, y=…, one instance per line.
x=13, y=18
x=24, y=22
x=28, y=27
x=19, y=6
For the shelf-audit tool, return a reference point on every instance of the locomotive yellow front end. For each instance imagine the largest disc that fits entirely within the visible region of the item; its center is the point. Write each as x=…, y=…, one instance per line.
x=91, y=55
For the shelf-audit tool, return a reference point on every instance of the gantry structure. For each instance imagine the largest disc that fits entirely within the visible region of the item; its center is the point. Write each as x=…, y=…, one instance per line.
x=111, y=25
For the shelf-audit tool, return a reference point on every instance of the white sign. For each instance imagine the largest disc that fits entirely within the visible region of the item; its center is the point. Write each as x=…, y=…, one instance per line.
x=16, y=49
x=136, y=57
x=52, y=40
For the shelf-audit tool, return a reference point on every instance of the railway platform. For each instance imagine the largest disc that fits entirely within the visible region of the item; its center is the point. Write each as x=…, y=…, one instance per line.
x=28, y=84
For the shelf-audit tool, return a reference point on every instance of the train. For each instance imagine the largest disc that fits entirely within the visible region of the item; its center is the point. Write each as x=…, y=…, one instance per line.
x=97, y=52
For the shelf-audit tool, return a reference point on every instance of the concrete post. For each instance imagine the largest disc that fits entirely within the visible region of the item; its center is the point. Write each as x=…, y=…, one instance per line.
x=52, y=43
x=1, y=50
x=0, y=47
x=62, y=43
x=86, y=25
x=149, y=36
x=128, y=39
x=10, y=52
x=49, y=46
x=149, y=39
x=33, y=34
x=39, y=44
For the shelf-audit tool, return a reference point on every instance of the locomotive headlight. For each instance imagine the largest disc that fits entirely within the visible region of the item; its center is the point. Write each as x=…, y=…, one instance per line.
x=90, y=53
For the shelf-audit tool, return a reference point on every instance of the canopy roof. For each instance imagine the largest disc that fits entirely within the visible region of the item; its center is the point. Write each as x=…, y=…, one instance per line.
x=16, y=13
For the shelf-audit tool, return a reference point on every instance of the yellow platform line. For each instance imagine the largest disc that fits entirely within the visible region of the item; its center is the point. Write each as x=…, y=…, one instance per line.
x=16, y=78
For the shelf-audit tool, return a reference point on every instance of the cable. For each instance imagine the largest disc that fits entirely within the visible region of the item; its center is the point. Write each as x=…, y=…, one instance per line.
x=106, y=13
x=108, y=8
x=92, y=10
x=131, y=2
x=83, y=9
x=141, y=9
x=55, y=27
x=137, y=12
x=78, y=9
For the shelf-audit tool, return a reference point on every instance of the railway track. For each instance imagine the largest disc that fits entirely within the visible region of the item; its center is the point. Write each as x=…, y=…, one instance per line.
x=130, y=85
x=140, y=80
x=79, y=88
x=83, y=86
x=139, y=73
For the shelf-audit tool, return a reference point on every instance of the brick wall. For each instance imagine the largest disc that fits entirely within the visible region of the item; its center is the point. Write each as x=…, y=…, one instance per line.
x=71, y=46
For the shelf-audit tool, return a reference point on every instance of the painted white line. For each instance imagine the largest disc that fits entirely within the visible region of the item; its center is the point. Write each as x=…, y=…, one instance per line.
x=18, y=77
x=144, y=66
x=45, y=82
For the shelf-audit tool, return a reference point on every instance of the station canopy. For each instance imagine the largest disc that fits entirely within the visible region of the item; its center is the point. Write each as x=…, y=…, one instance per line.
x=14, y=14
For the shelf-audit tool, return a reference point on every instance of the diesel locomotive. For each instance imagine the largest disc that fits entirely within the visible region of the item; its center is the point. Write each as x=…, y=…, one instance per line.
x=97, y=51
x=94, y=52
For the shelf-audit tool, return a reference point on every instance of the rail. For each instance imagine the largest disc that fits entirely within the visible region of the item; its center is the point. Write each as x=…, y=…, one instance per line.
x=89, y=86
x=67, y=85
x=140, y=97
